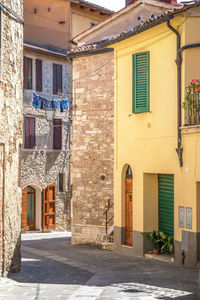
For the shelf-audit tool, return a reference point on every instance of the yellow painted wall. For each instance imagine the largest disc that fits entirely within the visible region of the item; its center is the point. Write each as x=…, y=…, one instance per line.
x=147, y=141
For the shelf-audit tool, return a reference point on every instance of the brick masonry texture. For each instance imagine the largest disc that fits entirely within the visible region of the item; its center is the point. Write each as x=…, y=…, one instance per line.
x=93, y=145
x=11, y=95
x=41, y=166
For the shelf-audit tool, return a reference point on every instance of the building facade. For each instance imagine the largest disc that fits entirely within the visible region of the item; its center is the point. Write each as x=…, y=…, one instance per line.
x=11, y=93
x=46, y=145
x=93, y=122
x=45, y=176
x=156, y=170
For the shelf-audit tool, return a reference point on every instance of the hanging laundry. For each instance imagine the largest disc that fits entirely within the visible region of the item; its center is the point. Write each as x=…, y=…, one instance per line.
x=43, y=103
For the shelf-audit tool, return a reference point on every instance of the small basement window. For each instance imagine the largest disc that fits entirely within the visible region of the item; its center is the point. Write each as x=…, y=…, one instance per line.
x=61, y=182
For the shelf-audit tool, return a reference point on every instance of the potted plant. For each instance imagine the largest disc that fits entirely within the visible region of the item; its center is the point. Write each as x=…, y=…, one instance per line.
x=167, y=243
x=155, y=238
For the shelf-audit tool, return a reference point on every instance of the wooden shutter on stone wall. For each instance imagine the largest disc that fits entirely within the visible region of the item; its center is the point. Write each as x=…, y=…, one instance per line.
x=57, y=79
x=57, y=134
x=38, y=75
x=29, y=132
x=27, y=73
x=140, y=82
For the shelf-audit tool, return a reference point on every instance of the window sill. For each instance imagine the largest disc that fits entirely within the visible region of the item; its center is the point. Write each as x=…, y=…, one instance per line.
x=191, y=129
x=42, y=150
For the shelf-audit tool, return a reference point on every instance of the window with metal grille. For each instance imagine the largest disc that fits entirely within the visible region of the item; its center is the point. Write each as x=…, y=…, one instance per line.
x=140, y=82
x=57, y=134
x=29, y=129
x=57, y=79
x=27, y=73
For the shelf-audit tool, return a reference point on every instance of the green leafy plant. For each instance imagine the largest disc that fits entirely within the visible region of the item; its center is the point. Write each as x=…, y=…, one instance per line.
x=161, y=241
x=154, y=237
x=167, y=244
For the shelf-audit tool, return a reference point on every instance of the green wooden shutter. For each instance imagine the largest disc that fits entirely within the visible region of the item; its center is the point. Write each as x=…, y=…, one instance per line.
x=140, y=82
x=166, y=203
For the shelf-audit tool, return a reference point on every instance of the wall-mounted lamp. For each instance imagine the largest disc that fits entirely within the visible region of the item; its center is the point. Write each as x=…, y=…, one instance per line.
x=50, y=114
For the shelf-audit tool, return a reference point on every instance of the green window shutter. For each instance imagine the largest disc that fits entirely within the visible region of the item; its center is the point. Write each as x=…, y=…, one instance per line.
x=166, y=203
x=140, y=82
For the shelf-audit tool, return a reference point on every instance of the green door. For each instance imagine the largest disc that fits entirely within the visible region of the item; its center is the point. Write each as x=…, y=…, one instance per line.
x=166, y=203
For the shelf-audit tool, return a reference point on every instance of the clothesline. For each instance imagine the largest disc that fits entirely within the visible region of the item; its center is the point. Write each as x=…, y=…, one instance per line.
x=47, y=104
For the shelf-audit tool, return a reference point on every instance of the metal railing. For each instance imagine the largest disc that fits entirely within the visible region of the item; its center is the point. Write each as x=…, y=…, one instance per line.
x=108, y=220
x=192, y=108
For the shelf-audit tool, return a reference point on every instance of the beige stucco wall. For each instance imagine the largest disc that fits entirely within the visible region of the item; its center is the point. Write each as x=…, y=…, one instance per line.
x=11, y=89
x=81, y=19
x=43, y=26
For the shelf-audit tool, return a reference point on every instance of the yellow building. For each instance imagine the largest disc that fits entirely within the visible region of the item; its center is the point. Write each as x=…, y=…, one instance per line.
x=154, y=188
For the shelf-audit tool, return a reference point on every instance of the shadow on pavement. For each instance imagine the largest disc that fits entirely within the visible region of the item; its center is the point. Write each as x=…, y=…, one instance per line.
x=126, y=274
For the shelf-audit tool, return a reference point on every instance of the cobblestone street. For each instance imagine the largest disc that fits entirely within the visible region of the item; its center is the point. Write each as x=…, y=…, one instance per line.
x=53, y=269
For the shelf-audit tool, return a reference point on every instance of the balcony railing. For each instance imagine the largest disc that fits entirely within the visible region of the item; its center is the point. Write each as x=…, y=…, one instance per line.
x=192, y=108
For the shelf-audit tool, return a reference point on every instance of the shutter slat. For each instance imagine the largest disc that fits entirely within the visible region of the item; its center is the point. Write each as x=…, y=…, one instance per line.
x=141, y=82
x=166, y=203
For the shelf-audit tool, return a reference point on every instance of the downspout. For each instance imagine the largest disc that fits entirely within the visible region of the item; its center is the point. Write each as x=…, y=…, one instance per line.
x=179, y=148
x=3, y=213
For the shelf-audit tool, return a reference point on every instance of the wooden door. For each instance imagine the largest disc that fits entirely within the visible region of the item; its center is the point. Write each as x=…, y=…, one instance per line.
x=24, y=210
x=31, y=206
x=49, y=208
x=128, y=212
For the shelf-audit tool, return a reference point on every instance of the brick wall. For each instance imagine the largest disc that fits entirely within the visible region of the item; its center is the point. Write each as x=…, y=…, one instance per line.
x=93, y=149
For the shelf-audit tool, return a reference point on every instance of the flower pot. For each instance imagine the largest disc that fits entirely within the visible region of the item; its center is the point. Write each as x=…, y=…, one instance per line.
x=156, y=251
x=197, y=88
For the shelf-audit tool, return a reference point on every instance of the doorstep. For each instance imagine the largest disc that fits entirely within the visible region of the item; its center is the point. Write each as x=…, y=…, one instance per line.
x=160, y=257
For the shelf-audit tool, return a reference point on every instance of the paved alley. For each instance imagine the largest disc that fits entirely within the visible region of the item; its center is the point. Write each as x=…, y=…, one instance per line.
x=54, y=269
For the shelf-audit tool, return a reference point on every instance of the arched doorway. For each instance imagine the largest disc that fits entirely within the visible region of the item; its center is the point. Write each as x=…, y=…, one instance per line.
x=129, y=207
x=28, y=208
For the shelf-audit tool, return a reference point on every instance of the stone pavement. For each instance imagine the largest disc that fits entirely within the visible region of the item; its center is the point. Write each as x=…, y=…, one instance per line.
x=54, y=269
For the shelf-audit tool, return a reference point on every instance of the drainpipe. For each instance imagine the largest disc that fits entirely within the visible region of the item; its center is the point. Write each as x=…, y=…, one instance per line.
x=3, y=213
x=179, y=149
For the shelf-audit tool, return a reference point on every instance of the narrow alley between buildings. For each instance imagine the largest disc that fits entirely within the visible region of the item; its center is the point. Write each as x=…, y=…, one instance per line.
x=54, y=269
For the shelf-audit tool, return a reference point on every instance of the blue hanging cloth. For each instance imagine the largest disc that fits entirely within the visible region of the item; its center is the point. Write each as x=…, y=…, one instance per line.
x=42, y=103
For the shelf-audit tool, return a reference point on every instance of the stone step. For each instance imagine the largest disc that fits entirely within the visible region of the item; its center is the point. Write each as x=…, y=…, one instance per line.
x=107, y=246
x=160, y=257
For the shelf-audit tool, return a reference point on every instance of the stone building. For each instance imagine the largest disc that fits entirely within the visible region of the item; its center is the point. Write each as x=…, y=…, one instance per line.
x=11, y=95
x=93, y=120
x=45, y=176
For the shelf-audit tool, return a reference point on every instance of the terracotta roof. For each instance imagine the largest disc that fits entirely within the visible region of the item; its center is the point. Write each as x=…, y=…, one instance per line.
x=118, y=14
x=163, y=17
x=92, y=5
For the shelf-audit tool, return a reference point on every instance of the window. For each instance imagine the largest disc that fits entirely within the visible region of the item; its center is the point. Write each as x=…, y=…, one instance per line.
x=61, y=182
x=57, y=79
x=38, y=75
x=27, y=73
x=29, y=129
x=57, y=134
x=140, y=82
